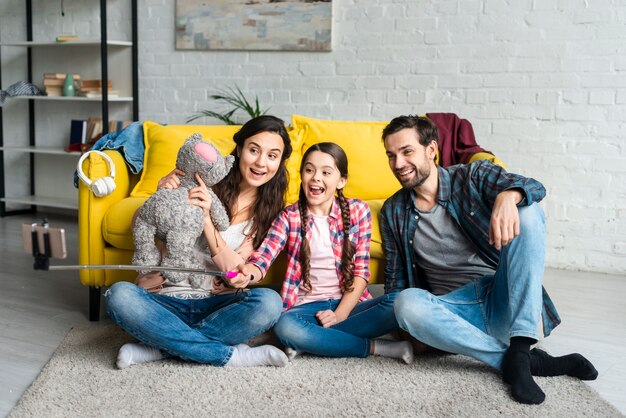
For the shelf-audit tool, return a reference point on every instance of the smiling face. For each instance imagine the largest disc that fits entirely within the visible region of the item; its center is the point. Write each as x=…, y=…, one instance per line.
x=411, y=162
x=259, y=158
x=320, y=180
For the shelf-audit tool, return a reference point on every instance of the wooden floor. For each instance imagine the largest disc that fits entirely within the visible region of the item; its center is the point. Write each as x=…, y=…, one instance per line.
x=38, y=308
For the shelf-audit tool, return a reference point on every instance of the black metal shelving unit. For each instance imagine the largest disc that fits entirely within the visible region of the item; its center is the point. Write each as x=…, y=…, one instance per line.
x=105, y=100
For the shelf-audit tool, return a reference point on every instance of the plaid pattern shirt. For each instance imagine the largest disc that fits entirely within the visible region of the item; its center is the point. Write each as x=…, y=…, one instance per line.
x=468, y=193
x=286, y=231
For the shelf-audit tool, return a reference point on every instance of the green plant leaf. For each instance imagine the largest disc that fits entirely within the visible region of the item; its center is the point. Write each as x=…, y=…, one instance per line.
x=235, y=98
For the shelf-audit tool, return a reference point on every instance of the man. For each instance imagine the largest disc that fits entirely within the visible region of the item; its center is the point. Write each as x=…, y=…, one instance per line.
x=466, y=243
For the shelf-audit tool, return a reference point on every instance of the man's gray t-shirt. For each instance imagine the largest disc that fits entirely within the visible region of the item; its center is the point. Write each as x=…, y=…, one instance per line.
x=448, y=258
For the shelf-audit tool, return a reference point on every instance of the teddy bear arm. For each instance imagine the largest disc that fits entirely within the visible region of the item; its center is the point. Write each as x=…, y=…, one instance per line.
x=218, y=213
x=146, y=252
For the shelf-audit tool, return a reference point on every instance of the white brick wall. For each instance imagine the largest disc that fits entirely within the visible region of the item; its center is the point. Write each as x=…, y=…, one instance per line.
x=542, y=81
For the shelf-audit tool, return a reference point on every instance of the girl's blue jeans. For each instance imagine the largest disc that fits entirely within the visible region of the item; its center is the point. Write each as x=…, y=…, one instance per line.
x=200, y=330
x=479, y=319
x=299, y=329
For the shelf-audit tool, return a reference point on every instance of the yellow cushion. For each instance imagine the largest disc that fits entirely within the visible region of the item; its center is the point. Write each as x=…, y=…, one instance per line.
x=376, y=246
x=162, y=144
x=369, y=174
x=116, y=225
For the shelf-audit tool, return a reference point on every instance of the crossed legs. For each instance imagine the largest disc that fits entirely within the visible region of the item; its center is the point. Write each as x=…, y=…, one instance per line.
x=495, y=319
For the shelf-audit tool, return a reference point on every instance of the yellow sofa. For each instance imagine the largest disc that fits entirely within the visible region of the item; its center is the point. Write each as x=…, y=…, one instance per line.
x=104, y=223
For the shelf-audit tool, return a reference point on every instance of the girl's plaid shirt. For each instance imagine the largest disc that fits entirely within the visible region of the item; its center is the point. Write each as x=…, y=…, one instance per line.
x=286, y=232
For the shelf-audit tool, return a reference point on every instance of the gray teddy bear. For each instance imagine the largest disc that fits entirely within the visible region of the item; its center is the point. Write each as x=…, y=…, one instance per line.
x=168, y=215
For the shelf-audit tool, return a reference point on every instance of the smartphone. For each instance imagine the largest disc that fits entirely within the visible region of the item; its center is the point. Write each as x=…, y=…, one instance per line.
x=56, y=235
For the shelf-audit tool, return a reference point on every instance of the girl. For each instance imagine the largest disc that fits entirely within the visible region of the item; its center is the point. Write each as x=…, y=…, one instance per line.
x=328, y=310
x=209, y=325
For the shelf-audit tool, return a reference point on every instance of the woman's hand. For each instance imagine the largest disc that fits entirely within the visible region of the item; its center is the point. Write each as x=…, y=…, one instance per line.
x=199, y=196
x=327, y=318
x=220, y=288
x=171, y=181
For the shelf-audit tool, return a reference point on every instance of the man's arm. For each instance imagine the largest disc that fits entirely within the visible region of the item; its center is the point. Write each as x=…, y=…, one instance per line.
x=491, y=180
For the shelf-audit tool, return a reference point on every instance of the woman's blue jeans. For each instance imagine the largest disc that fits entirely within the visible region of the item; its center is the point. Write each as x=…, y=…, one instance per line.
x=200, y=330
x=479, y=319
x=299, y=329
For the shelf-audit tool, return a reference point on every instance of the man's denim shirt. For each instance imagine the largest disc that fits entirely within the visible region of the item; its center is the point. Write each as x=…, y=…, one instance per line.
x=468, y=193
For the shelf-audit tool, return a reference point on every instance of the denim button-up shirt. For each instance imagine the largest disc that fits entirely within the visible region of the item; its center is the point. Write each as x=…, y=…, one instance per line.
x=468, y=193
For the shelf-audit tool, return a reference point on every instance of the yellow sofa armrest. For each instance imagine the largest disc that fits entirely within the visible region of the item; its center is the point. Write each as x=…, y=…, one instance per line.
x=487, y=156
x=91, y=211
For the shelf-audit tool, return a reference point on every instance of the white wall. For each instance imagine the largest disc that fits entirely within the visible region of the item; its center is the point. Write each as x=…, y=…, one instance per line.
x=543, y=82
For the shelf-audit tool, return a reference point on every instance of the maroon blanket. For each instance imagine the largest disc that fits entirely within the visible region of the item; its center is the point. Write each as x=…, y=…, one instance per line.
x=457, y=142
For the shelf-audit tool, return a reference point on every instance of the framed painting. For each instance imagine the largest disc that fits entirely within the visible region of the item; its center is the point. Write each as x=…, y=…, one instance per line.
x=284, y=25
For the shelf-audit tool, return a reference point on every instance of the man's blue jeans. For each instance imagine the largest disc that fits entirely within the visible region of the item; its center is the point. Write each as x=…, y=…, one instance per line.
x=200, y=330
x=299, y=329
x=479, y=319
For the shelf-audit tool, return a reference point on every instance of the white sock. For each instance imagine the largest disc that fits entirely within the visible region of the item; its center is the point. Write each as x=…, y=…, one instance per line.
x=132, y=353
x=394, y=349
x=264, y=355
x=291, y=353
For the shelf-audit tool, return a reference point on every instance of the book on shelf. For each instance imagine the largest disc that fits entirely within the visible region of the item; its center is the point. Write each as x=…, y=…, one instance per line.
x=78, y=135
x=59, y=76
x=91, y=131
x=95, y=83
x=54, y=91
x=98, y=93
x=53, y=82
x=66, y=38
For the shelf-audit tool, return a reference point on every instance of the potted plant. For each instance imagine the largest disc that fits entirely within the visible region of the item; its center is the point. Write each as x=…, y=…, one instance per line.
x=233, y=97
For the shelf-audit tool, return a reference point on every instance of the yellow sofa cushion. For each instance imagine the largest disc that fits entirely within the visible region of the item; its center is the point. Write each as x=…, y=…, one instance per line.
x=116, y=225
x=369, y=175
x=162, y=144
x=376, y=246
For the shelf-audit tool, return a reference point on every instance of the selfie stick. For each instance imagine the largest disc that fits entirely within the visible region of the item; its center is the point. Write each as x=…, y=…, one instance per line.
x=227, y=274
x=42, y=260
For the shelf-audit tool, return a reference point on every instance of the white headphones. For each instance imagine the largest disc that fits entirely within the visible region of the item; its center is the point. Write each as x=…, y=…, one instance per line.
x=103, y=186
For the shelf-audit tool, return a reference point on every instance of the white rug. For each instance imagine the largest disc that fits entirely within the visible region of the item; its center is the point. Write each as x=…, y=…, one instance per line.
x=81, y=380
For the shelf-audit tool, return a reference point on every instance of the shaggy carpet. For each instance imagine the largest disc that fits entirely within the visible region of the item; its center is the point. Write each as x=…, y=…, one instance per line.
x=81, y=380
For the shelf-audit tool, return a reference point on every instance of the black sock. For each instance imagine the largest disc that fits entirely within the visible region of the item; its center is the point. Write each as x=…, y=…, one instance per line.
x=575, y=365
x=516, y=372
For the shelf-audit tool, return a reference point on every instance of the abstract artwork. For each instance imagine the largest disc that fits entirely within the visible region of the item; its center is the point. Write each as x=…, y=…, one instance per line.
x=284, y=25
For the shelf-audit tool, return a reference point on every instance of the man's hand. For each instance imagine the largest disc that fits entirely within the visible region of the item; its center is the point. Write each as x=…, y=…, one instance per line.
x=504, y=224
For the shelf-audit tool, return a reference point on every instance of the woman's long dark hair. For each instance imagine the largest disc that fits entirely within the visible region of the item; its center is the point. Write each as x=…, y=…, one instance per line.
x=271, y=195
x=348, y=250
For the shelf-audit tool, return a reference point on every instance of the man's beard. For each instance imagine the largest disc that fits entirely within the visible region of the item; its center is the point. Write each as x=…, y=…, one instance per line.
x=419, y=177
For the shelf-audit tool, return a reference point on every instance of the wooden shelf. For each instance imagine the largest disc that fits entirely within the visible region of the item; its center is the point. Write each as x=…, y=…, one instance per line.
x=41, y=150
x=51, y=202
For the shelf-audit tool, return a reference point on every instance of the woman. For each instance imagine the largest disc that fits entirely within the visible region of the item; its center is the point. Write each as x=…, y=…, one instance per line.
x=209, y=324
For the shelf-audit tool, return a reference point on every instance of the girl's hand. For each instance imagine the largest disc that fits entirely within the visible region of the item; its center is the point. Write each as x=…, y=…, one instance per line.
x=326, y=318
x=241, y=280
x=199, y=196
x=171, y=181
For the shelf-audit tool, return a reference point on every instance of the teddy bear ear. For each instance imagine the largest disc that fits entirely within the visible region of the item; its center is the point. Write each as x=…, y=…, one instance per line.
x=229, y=160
